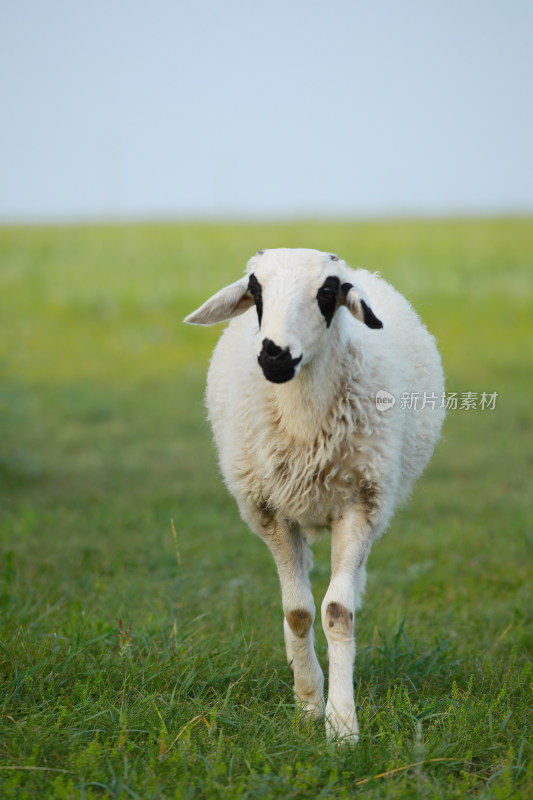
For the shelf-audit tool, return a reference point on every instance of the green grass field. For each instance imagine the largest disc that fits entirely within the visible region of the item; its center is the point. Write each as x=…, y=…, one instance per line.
x=136, y=664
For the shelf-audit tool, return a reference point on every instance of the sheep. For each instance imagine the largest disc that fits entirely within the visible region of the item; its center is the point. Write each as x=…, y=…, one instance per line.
x=293, y=398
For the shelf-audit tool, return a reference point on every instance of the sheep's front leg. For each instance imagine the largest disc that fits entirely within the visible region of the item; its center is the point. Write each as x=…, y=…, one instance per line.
x=292, y=558
x=350, y=544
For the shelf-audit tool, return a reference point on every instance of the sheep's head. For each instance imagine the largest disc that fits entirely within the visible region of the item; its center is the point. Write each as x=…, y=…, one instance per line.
x=296, y=294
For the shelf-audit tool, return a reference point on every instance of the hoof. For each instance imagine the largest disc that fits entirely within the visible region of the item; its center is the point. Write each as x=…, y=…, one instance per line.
x=341, y=726
x=311, y=701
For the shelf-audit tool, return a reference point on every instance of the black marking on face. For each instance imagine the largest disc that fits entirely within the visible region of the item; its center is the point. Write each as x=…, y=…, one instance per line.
x=333, y=257
x=327, y=297
x=254, y=289
x=260, y=252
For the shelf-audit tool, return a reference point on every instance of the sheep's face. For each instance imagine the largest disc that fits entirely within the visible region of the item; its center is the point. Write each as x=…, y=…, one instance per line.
x=296, y=294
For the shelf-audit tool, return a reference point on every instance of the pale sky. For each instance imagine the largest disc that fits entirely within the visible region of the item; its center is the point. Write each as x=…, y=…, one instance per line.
x=241, y=109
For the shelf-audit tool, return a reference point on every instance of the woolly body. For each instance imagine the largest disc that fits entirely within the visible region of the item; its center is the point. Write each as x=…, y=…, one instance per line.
x=303, y=449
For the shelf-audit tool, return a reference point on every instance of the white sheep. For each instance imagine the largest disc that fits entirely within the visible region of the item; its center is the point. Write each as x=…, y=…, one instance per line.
x=293, y=395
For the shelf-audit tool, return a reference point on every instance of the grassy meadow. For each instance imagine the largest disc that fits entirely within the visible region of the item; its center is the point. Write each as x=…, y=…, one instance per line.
x=141, y=649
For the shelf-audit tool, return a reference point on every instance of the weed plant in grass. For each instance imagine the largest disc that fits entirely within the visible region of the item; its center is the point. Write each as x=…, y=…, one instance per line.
x=136, y=663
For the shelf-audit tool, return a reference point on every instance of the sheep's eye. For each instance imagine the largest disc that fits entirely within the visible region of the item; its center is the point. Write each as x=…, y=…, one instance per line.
x=254, y=289
x=327, y=297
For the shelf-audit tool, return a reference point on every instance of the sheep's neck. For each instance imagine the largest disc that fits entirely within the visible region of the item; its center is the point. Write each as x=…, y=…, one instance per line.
x=304, y=405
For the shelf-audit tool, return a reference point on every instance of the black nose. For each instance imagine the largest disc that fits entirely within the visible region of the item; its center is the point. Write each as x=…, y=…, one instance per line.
x=271, y=350
x=277, y=364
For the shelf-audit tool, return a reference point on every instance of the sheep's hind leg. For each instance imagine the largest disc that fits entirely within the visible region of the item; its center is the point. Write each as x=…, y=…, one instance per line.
x=293, y=560
x=350, y=544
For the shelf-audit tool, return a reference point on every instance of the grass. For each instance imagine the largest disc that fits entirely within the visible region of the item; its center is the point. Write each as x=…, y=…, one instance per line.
x=139, y=664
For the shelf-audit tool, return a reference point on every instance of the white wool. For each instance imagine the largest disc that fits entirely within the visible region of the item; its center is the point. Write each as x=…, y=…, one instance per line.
x=316, y=450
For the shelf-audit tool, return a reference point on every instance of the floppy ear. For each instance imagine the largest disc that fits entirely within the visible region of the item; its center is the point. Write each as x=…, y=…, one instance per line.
x=358, y=307
x=225, y=304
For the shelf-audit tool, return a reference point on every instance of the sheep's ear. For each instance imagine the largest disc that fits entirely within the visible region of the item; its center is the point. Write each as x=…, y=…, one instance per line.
x=225, y=304
x=358, y=307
